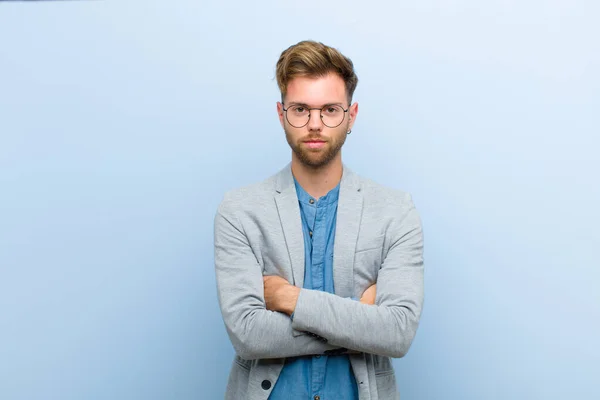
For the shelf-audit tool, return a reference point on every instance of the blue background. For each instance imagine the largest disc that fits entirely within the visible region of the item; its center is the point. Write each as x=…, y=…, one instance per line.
x=122, y=123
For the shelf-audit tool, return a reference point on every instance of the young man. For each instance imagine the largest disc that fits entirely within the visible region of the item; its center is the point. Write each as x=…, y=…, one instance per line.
x=319, y=271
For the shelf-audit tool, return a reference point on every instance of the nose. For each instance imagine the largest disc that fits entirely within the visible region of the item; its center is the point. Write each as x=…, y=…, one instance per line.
x=314, y=122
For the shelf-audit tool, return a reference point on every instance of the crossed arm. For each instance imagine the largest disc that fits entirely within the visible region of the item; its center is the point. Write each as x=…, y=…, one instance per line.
x=280, y=295
x=248, y=300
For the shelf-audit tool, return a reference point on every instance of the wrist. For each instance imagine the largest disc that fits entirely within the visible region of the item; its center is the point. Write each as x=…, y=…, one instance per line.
x=288, y=299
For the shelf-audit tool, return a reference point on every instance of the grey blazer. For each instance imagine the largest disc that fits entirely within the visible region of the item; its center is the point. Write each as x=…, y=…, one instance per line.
x=378, y=239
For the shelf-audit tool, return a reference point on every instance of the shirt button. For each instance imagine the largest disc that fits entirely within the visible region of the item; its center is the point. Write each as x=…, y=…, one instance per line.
x=266, y=384
x=312, y=201
x=310, y=233
x=317, y=356
x=317, y=397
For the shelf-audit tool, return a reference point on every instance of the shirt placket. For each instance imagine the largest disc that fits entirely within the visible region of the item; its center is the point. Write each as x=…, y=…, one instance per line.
x=319, y=242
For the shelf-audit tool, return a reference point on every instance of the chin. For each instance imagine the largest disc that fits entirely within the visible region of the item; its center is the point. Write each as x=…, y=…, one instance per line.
x=316, y=162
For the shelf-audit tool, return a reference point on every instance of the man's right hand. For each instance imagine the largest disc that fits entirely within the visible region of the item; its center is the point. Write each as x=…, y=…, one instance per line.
x=369, y=295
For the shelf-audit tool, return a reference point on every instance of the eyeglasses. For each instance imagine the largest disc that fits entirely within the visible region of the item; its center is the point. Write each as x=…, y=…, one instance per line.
x=332, y=115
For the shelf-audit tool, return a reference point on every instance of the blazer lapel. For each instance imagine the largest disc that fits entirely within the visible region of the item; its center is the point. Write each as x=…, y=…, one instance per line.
x=291, y=222
x=349, y=214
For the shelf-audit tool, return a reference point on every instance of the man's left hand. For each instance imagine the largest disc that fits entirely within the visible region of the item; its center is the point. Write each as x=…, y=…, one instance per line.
x=280, y=295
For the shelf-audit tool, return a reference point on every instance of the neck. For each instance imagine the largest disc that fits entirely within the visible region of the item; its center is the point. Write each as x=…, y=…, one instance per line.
x=318, y=181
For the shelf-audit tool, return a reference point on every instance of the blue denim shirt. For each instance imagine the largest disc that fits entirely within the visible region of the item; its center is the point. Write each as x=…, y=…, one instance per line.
x=329, y=377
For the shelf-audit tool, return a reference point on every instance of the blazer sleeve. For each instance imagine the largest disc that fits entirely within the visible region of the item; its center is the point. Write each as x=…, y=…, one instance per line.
x=388, y=327
x=254, y=331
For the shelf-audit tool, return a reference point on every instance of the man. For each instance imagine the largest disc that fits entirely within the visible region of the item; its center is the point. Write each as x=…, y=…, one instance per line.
x=319, y=271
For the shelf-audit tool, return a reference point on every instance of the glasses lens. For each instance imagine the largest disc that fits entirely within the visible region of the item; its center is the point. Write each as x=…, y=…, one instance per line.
x=297, y=116
x=332, y=116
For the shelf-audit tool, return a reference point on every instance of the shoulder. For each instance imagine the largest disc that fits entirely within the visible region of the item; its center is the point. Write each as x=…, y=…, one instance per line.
x=383, y=197
x=389, y=209
x=247, y=196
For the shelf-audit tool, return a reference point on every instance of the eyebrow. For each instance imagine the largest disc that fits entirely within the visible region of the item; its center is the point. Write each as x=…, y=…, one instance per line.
x=294, y=103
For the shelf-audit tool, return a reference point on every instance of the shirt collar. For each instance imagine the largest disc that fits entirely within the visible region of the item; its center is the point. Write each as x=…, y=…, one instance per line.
x=305, y=198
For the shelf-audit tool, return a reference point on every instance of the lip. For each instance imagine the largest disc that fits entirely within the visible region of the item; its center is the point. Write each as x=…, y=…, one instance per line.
x=314, y=144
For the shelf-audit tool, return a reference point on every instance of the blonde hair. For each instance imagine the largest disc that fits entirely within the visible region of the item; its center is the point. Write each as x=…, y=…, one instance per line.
x=314, y=59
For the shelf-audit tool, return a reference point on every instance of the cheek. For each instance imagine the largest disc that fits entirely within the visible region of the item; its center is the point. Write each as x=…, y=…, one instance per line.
x=292, y=134
x=338, y=134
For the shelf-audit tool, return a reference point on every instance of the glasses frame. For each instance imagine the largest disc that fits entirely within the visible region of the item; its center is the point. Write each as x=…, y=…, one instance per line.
x=310, y=114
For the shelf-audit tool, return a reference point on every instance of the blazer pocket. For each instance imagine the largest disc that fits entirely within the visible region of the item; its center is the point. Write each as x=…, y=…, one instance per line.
x=385, y=379
x=367, y=262
x=370, y=243
x=386, y=386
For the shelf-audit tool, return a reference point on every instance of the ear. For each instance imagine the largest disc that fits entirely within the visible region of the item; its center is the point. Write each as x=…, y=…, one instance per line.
x=280, y=114
x=352, y=113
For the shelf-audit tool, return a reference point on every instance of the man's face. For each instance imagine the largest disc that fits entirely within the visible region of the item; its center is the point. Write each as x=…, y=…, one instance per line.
x=316, y=145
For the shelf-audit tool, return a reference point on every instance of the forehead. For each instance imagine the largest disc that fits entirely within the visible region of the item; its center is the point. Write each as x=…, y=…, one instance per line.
x=316, y=91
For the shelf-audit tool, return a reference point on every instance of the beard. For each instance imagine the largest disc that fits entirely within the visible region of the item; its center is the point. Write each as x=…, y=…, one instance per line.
x=316, y=158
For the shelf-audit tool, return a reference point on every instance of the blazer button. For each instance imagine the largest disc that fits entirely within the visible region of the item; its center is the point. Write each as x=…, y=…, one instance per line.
x=266, y=384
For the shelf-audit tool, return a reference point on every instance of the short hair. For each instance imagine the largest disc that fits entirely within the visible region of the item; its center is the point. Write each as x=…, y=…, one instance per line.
x=314, y=60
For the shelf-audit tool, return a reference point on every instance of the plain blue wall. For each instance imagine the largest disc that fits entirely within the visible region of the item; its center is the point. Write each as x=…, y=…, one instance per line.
x=123, y=123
